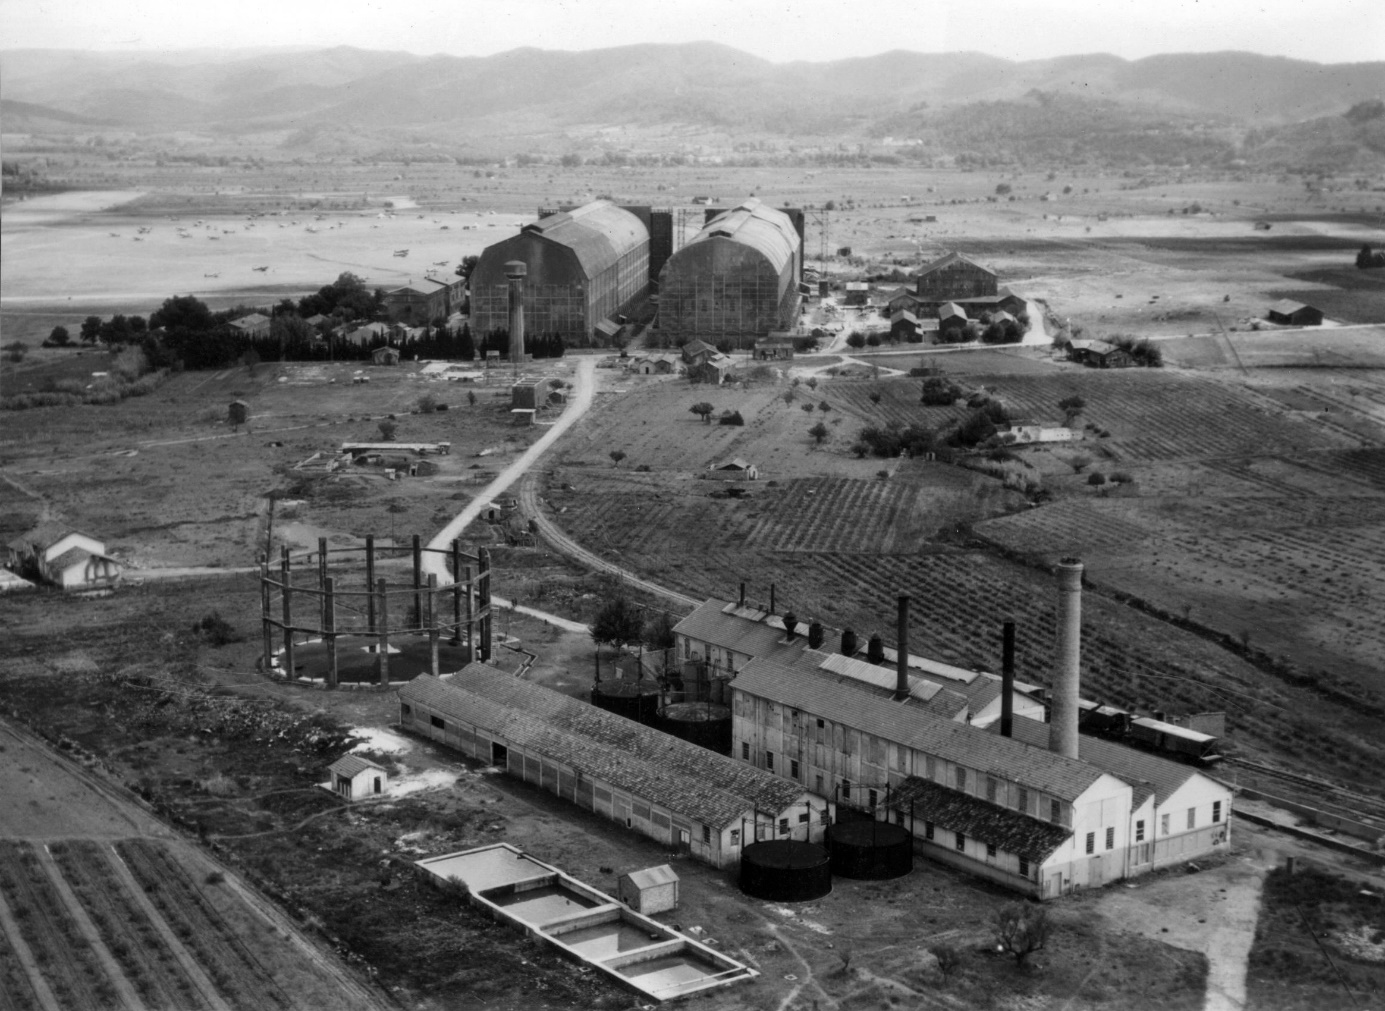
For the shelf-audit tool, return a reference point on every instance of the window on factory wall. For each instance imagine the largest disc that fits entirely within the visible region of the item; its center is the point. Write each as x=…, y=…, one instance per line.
x=817, y=784
x=769, y=760
x=960, y=777
x=783, y=826
x=1091, y=842
x=745, y=750
x=846, y=789
x=1024, y=867
x=707, y=834
x=1216, y=810
x=405, y=708
x=1140, y=830
x=871, y=799
x=990, y=851
x=1192, y=817
x=1023, y=800
x=1163, y=824
x=961, y=843
x=735, y=837
x=899, y=818
x=930, y=767
x=1110, y=838
x=821, y=724
x=928, y=830
x=437, y=722
x=793, y=768
x=991, y=787
x=803, y=818
x=825, y=816
x=1055, y=811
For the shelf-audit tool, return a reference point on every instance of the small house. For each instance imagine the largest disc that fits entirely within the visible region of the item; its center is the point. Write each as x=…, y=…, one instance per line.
x=696, y=352
x=733, y=470
x=904, y=299
x=904, y=326
x=254, y=325
x=652, y=890
x=857, y=293
x=524, y=395
x=357, y=778
x=714, y=370
x=65, y=558
x=1287, y=312
x=385, y=356
x=773, y=349
x=951, y=319
x=1099, y=354
x=653, y=365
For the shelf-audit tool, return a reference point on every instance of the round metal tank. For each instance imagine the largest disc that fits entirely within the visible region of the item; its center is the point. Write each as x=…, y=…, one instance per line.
x=870, y=850
x=785, y=871
x=635, y=700
x=702, y=723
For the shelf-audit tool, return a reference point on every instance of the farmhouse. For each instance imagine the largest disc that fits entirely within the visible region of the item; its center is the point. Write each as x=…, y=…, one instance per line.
x=1099, y=354
x=679, y=794
x=255, y=325
x=649, y=365
x=954, y=277
x=419, y=303
x=738, y=275
x=584, y=266
x=696, y=352
x=356, y=778
x=733, y=470
x=714, y=370
x=64, y=557
x=1290, y=313
x=385, y=356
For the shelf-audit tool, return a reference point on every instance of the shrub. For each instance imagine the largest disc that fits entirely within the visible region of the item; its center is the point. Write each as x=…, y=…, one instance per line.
x=730, y=418
x=215, y=630
x=1021, y=929
x=427, y=404
x=940, y=392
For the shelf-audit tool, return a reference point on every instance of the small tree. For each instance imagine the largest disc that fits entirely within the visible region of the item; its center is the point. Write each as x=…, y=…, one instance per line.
x=1080, y=463
x=658, y=634
x=1071, y=407
x=824, y=406
x=387, y=429
x=949, y=958
x=875, y=396
x=703, y=410
x=59, y=337
x=806, y=408
x=856, y=340
x=616, y=456
x=1096, y=479
x=427, y=404
x=812, y=383
x=819, y=432
x=618, y=622
x=1021, y=929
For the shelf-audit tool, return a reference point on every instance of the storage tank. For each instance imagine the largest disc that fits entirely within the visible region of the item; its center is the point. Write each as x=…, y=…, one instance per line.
x=784, y=870
x=870, y=850
x=705, y=724
x=635, y=700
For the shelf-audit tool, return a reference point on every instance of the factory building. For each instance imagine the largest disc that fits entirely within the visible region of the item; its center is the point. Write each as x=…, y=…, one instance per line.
x=737, y=277
x=681, y=795
x=584, y=266
x=961, y=759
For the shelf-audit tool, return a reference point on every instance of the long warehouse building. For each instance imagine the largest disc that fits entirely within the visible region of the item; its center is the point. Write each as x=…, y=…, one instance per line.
x=585, y=266
x=737, y=277
x=682, y=795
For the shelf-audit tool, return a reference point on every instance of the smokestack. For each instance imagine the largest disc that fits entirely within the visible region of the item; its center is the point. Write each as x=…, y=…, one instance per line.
x=901, y=676
x=1062, y=729
x=514, y=272
x=771, y=598
x=1007, y=679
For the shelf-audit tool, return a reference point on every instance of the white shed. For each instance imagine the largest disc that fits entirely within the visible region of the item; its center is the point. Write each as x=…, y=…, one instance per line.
x=652, y=890
x=357, y=778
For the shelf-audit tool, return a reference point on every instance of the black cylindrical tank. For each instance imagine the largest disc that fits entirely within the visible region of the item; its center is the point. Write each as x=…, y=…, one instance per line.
x=870, y=850
x=785, y=871
x=702, y=723
x=635, y=700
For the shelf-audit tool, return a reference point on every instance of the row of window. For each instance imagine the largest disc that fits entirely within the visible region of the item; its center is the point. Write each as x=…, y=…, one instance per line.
x=959, y=843
x=1165, y=826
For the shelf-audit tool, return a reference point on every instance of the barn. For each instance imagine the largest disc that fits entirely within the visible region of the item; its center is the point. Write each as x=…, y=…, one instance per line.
x=680, y=794
x=953, y=277
x=1287, y=312
x=904, y=326
x=737, y=276
x=951, y=319
x=584, y=266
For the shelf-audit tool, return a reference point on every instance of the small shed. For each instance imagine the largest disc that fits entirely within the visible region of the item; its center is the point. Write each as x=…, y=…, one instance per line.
x=714, y=370
x=1099, y=354
x=524, y=395
x=385, y=356
x=951, y=316
x=697, y=352
x=357, y=778
x=652, y=890
x=773, y=349
x=237, y=413
x=1287, y=312
x=857, y=293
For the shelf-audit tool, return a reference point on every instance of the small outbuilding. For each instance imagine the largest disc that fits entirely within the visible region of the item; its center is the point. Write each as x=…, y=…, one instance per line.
x=357, y=778
x=237, y=413
x=773, y=349
x=385, y=356
x=734, y=470
x=1099, y=354
x=652, y=890
x=951, y=318
x=1287, y=312
x=714, y=370
x=904, y=326
x=697, y=352
x=857, y=293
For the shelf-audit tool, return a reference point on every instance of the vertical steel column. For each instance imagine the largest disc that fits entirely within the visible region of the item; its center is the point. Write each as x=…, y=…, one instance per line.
x=286, y=592
x=470, y=618
x=483, y=574
x=456, y=637
x=370, y=582
x=418, y=581
x=266, y=602
x=433, y=620
x=329, y=630
x=322, y=580
x=382, y=644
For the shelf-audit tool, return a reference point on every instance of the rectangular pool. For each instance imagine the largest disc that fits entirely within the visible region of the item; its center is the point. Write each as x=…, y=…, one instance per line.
x=607, y=939
x=540, y=905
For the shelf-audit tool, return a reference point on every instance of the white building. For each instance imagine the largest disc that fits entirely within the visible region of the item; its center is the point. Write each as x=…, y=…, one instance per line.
x=65, y=557
x=357, y=778
x=652, y=890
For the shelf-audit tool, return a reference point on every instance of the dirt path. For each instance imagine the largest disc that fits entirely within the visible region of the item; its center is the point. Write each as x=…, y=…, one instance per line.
x=1214, y=912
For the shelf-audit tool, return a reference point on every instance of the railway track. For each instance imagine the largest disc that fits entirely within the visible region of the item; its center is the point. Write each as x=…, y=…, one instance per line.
x=1309, y=791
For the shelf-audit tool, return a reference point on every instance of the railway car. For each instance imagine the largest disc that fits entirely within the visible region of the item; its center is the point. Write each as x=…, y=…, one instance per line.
x=1175, y=741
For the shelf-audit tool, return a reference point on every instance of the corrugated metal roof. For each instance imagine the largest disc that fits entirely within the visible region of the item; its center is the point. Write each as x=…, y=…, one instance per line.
x=1138, y=768
x=350, y=765
x=600, y=233
x=1012, y=759
x=999, y=826
x=652, y=877
x=688, y=780
x=753, y=224
x=951, y=309
x=1288, y=306
x=949, y=260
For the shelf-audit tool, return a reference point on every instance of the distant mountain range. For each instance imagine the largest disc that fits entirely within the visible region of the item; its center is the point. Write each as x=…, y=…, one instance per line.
x=528, y=99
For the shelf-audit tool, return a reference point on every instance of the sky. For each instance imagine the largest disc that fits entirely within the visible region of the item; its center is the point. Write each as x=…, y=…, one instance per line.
x=1325, y=31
